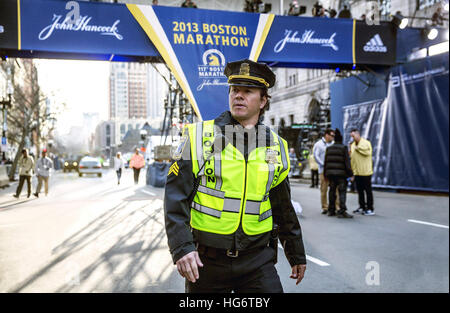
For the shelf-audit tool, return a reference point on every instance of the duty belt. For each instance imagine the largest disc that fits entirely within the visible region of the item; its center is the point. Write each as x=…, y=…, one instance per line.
x=214, y=252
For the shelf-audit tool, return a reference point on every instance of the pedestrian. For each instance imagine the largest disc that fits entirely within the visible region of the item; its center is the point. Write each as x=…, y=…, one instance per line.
x=319, y=150
x=26, y=165
x=118, y=166
x=224, y=205
x=314, y=168
x=136, y=163
x=294, y=8
x=188, y=4
x=345, y=13
x=43, y=167
x=293, y=160
x=351, y=180
x=337, y=169
x=361, y=161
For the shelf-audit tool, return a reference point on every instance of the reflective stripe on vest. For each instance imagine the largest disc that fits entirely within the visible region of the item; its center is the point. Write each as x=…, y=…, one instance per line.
x=227, y=179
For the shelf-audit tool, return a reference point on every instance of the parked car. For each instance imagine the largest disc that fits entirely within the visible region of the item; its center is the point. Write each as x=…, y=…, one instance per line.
x=90, y=165
x=70, y=165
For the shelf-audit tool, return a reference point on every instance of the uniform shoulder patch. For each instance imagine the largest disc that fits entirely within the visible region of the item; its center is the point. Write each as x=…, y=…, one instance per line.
x=174, y=168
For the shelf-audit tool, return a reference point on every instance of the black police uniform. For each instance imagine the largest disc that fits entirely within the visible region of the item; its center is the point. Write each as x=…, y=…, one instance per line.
x=250, y=268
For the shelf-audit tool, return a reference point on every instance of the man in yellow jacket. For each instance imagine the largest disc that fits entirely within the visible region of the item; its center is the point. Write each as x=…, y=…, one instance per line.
x=361, y=162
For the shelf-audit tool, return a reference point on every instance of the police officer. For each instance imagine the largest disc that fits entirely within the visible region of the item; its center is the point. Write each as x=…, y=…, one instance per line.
x=227, y=193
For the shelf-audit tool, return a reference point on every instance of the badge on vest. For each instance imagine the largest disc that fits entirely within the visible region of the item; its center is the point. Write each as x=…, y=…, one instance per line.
x=179, y=151
x=271, y=156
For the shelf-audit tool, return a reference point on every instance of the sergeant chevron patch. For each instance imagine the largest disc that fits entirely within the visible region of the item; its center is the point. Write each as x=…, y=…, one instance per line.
x=174, y=169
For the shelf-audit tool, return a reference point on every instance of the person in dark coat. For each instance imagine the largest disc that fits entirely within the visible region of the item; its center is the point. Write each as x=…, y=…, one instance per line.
x=337, y=169
x=196, y=209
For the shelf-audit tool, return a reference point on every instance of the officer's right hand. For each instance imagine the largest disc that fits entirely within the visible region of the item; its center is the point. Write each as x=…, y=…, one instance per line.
x=188, y=266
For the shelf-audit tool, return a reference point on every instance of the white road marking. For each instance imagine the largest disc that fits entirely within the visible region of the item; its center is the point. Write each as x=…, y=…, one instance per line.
x=310, y=258
x=317, y=261
x=427, y=223
x=148, y=192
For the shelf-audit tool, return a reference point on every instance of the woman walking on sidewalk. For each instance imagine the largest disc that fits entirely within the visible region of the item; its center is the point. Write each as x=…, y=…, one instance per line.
x=136, y=163
x=118, y=166
x=26, y=165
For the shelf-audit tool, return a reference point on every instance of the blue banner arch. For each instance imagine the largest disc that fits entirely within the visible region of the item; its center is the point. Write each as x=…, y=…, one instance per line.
x=195, y=43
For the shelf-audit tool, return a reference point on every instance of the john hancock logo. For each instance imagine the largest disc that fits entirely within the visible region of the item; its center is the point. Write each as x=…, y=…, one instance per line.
x=307, y=38
x=211, y=71
x=83, y=24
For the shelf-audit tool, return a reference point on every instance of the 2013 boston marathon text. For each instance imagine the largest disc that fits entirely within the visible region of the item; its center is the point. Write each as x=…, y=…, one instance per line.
x=212, y=34
x=224, y=303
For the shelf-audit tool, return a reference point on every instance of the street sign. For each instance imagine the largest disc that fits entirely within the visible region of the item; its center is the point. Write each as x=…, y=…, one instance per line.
x=307, y=126
x=3, y=140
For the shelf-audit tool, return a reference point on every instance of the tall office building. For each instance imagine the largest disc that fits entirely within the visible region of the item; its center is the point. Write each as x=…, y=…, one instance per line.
x=118, y=91
x=128, y=91
x=136, y=92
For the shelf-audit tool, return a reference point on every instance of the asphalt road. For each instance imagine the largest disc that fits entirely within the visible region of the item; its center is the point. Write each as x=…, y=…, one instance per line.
x=92, y=235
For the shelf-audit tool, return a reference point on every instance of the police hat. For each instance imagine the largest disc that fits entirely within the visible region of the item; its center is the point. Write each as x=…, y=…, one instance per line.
x=247, y=73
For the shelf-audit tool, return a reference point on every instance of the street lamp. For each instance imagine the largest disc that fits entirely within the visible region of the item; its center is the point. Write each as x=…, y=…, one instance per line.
x=5, y=105
x=430, y=32
x=399, y=20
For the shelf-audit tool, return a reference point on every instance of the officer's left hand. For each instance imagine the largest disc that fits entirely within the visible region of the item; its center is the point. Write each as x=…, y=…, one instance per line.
x=298, y=271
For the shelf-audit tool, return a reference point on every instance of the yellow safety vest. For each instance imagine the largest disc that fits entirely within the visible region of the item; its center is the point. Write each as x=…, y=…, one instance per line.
x=232, y=189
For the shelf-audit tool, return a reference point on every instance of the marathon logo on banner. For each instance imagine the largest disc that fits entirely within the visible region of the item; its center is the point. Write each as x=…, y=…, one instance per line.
x=197, y=46
x=375, y=44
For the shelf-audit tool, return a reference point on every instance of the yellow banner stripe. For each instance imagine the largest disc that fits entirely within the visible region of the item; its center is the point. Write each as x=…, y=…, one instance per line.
x=264, y=35
x=354, y=42
x=151, y=33
x=19, y=39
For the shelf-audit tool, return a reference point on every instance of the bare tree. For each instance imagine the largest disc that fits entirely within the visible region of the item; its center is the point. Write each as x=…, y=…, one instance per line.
x=28, y=107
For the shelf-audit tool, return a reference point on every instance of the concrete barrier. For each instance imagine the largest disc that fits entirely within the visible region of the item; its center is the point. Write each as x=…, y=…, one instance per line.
x=157, y=173
x=4, y=179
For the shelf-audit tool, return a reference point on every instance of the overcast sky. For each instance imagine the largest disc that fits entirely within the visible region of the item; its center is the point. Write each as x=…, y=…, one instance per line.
x=82, y=85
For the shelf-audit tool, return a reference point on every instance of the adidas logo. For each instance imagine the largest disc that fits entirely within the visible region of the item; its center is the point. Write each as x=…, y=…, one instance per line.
x=375, y=45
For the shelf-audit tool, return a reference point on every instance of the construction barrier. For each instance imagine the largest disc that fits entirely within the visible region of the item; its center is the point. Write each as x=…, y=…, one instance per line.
x=157, y=173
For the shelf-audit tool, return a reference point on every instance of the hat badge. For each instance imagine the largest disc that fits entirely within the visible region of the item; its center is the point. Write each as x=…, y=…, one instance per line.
x=245, y=69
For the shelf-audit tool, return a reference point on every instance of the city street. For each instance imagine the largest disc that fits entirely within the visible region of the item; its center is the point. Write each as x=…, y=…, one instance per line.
x=92, y=235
